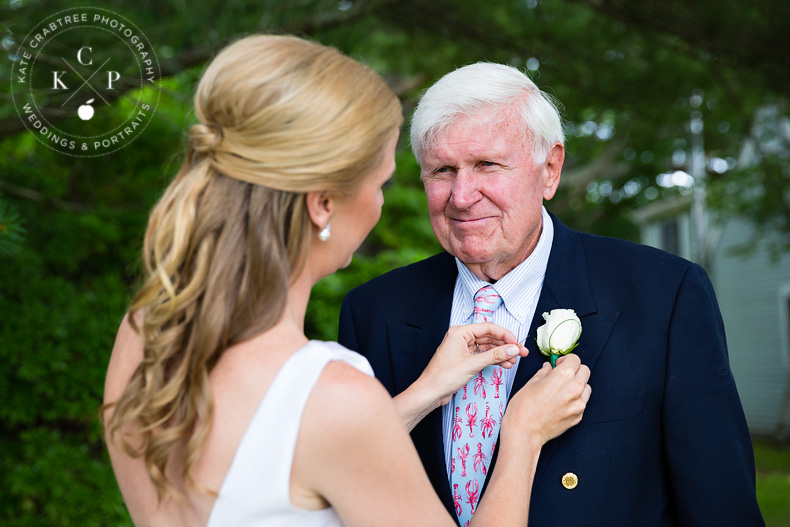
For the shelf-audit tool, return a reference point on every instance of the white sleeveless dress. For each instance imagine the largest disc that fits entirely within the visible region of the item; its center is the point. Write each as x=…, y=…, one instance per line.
x=255, y=492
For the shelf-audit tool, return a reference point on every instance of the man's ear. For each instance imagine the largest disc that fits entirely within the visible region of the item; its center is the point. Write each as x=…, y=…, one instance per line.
x=552, y=170
x=320, y=207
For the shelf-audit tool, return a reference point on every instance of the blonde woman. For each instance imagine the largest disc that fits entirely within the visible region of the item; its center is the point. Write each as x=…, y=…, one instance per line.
x=218, y=410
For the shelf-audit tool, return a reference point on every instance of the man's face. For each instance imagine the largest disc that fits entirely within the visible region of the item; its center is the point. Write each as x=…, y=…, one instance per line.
x=485, y=192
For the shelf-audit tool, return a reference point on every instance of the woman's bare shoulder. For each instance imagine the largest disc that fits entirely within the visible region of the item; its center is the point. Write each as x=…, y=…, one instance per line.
x=347, y=415
x=347, y=393
x=353, y=451
x=127, y=353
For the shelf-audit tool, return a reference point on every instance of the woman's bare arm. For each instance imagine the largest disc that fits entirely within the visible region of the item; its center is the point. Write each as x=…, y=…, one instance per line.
x=354, y=452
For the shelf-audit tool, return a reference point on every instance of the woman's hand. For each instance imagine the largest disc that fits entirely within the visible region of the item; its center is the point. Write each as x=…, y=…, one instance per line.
x=550, y=403
x=464, y=351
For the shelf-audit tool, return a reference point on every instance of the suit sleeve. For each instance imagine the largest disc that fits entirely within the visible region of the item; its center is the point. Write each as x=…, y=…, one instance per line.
x=709, y=449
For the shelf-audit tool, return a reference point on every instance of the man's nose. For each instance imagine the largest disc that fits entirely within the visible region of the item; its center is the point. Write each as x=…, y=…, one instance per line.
x=466, y=189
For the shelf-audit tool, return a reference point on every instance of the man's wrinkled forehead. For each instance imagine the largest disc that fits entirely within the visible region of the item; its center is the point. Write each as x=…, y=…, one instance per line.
x=489, y=117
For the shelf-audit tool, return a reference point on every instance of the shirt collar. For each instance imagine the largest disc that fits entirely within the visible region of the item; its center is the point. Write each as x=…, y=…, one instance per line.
x=518, y=287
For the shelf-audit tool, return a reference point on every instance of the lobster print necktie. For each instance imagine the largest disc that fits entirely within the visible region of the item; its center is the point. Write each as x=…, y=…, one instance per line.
x=475, y=430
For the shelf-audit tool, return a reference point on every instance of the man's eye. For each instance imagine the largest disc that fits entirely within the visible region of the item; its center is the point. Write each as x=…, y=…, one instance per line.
x=438, y=173
x=487, y=164
x=387, y=185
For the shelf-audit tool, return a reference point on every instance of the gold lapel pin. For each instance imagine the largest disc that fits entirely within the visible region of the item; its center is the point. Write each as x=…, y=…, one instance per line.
x=570, y=480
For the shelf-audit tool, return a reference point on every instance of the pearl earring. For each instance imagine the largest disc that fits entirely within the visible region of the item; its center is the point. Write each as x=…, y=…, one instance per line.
x=325, y=233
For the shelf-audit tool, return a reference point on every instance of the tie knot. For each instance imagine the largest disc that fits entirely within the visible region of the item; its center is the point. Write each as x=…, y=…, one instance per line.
x=486, y=302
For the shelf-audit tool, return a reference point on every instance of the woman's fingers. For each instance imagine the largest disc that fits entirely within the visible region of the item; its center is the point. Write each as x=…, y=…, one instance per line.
x=465, y=351
x=554, y=399
x=484, y=337
x=543, y=371
x=570, y=361
x=487, y=330
x=504, y=356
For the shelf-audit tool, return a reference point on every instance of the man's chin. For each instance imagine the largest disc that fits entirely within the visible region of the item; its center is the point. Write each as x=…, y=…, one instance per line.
x=471, y=257
x=470, y=249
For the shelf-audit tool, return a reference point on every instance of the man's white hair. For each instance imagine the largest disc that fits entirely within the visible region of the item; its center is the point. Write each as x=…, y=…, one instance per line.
x=493, y=90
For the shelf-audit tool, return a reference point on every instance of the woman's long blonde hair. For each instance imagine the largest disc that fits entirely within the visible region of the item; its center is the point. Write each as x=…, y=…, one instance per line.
x=278, y=117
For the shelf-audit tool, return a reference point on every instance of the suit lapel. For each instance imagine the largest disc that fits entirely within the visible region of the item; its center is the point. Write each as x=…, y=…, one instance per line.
x=413, y=340
x=566, y=286
x=414, y=336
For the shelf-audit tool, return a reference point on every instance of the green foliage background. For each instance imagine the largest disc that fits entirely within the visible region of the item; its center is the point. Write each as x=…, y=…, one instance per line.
x=71, y=229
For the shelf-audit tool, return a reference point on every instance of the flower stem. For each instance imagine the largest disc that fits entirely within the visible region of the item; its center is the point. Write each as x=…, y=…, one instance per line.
x=553, y=359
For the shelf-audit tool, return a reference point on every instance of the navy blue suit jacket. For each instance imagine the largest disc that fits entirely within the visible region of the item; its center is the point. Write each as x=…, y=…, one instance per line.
x=663, y=440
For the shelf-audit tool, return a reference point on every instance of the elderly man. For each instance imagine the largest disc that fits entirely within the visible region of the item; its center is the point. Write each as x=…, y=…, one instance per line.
x=663, y=440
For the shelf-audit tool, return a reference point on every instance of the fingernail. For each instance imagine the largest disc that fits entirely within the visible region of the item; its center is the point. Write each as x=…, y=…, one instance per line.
x=512, y=350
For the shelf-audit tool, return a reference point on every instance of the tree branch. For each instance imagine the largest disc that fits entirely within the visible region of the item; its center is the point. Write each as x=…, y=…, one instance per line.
x=37, y=196
x=752, y=40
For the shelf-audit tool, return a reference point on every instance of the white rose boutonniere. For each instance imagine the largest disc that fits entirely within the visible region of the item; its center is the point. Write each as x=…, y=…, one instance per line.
x=560, y=334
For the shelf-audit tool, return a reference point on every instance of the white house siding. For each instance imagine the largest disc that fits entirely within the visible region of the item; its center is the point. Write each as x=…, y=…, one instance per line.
x=752, y=294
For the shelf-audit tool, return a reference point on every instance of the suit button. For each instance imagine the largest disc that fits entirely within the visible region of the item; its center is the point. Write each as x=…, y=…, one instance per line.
x=569, y=481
